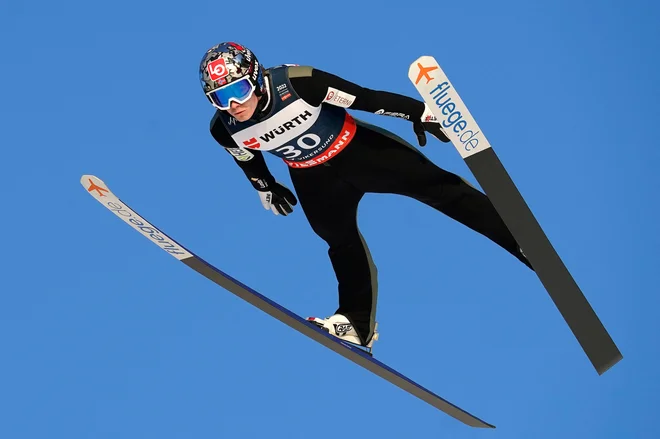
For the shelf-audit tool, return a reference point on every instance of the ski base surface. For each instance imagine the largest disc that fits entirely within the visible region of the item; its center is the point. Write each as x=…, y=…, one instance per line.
x=100, y=191
x=446, y=105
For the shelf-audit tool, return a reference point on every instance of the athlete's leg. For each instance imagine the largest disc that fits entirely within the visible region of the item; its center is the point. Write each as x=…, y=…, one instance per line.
x=330, y=205
x=384, y=163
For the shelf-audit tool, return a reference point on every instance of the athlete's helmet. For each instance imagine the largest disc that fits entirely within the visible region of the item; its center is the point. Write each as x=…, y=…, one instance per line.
x=229, y=71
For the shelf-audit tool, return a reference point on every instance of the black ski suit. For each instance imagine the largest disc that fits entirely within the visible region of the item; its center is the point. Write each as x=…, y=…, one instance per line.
x=368, y=159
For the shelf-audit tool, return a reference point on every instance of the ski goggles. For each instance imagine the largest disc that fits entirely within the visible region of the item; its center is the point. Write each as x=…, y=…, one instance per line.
x=239, y=92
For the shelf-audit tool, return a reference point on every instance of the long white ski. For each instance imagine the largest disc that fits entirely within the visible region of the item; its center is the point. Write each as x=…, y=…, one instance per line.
x=444, y=102
x=100, y=191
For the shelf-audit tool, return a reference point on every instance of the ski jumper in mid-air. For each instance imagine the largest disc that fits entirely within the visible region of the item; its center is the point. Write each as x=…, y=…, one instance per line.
x=299, y=114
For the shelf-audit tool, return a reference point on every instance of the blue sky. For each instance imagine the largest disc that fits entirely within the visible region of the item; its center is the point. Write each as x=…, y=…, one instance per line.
x=106, y=336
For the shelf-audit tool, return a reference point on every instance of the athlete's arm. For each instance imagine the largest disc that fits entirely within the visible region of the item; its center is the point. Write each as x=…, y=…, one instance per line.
x=251, y=162
x=316, y=86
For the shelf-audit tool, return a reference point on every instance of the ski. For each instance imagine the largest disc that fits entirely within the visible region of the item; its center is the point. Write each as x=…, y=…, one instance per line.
x=100, y=191
x=446, y=105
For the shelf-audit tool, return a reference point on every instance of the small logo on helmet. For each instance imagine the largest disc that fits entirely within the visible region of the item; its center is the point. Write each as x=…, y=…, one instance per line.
x=217, y=69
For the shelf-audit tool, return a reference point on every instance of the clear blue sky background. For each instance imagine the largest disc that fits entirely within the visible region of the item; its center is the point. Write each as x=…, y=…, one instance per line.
x=103, y=335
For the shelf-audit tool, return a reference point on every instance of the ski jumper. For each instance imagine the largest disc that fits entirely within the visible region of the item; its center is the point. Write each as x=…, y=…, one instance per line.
x=335, y=159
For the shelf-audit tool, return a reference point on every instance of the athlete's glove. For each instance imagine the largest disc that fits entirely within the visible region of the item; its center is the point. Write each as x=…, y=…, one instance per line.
x=428, y=123
x=278, y=198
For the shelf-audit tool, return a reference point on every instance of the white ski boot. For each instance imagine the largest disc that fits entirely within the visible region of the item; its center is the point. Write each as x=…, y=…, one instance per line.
x=339, y=326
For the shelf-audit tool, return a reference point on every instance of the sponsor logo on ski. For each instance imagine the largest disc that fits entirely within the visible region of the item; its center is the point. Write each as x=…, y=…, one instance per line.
x=454, y=119
x=146, y=229
x=94, y=187
x=424, y=72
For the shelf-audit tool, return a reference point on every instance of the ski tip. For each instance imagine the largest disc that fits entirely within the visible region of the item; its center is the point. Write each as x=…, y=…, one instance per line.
x=87, y=177
x=94, y=185
x=424, y=60
x=423, y=68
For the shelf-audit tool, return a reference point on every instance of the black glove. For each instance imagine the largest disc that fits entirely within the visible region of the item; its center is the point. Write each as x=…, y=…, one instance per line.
x=278, y=198
x=428, y=123
x=421, y=128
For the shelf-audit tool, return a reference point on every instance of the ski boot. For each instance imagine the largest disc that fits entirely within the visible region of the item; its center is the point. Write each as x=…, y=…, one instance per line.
x=339, y=326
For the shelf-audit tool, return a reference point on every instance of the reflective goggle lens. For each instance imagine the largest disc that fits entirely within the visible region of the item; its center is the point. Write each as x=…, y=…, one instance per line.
x=239, y=91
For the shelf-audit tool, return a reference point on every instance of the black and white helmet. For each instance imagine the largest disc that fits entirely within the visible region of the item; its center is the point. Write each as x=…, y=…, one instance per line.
x=228, y=63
